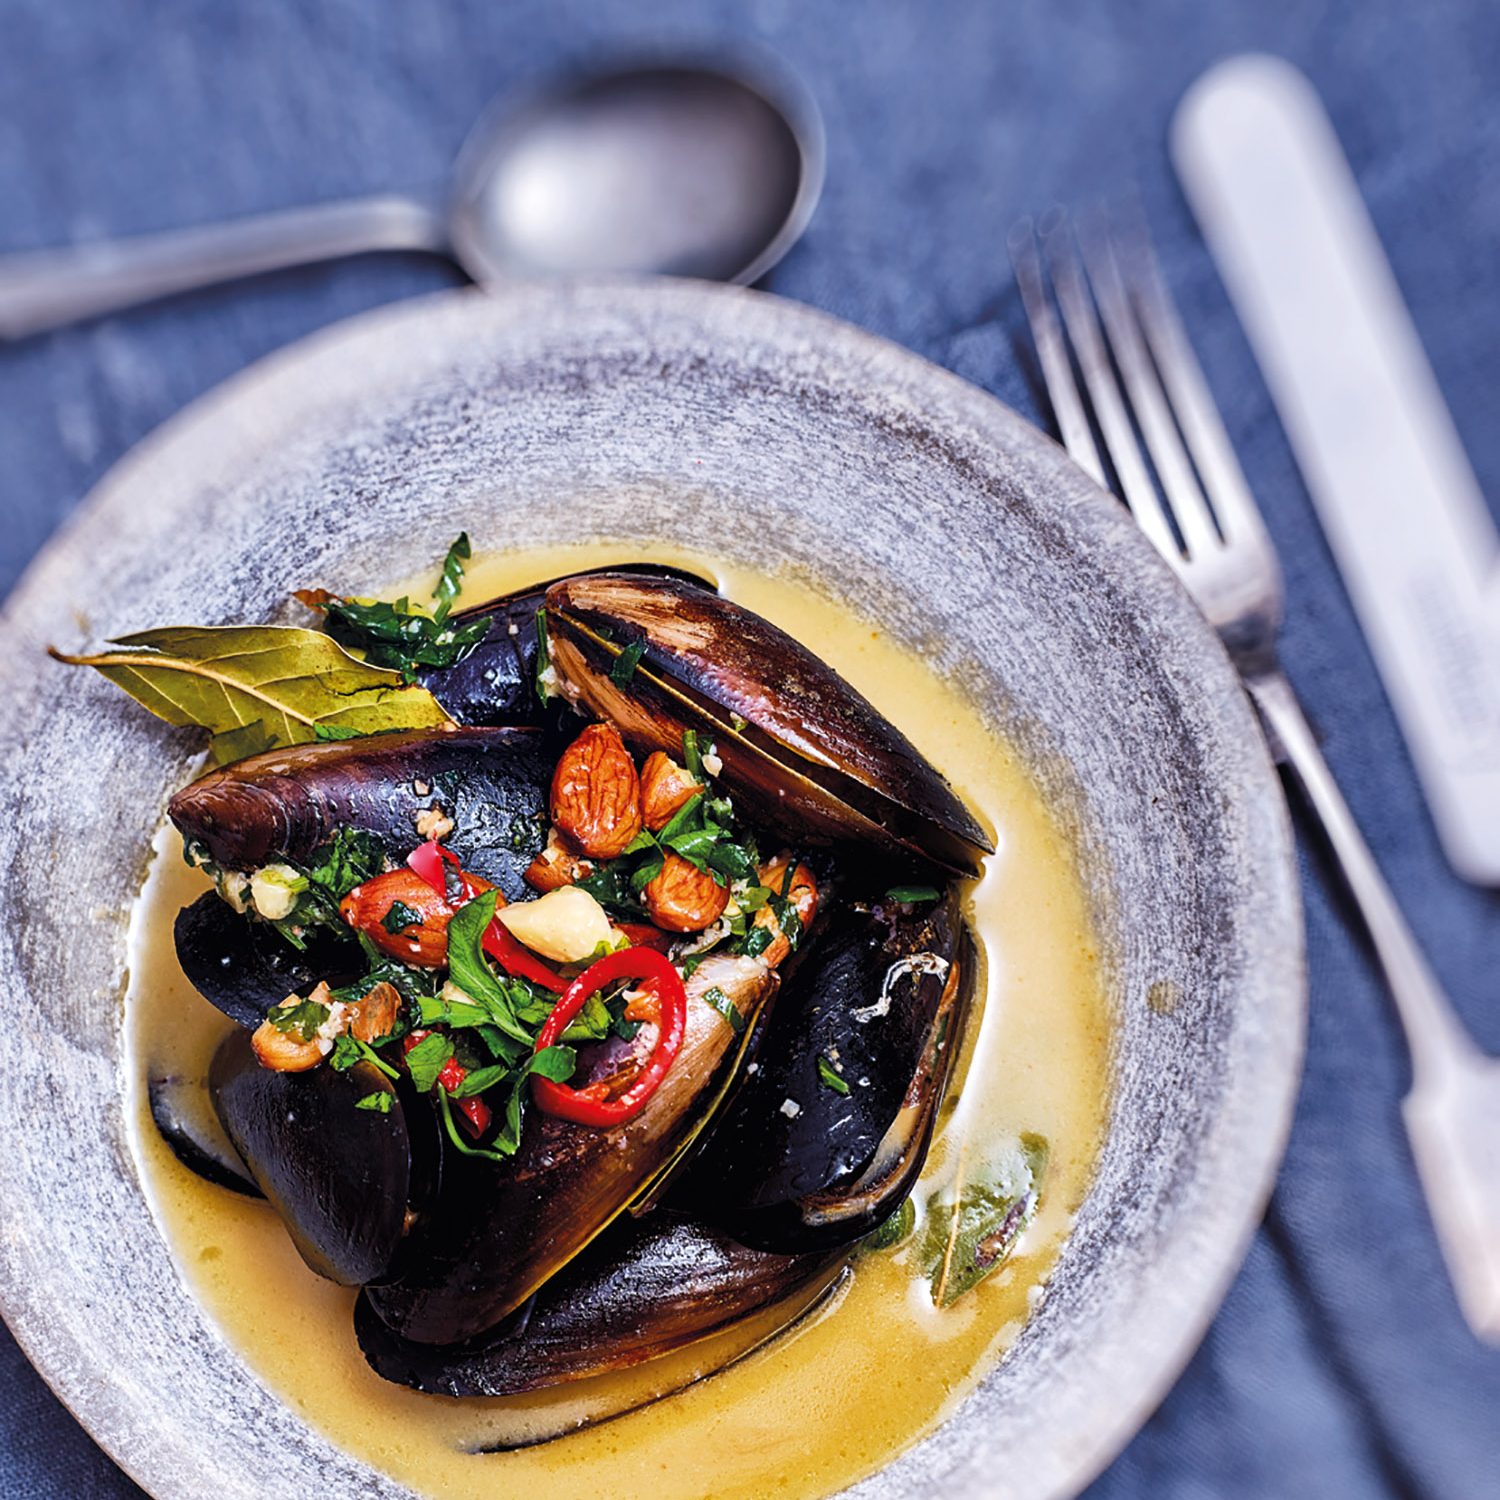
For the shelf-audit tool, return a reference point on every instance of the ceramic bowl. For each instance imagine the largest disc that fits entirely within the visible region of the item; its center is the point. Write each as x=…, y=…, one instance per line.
x=628, y=412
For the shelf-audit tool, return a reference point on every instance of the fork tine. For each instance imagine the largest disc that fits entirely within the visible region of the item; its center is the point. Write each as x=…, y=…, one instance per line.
x=1197, y=415
x=1052, y=351
x=1099, y=378
x=1147, y=398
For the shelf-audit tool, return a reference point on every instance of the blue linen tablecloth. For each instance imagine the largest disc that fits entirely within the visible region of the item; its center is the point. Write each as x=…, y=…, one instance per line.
x=1339, y=1365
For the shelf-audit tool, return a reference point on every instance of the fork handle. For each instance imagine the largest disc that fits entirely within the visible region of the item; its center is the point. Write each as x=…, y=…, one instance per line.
x=1434, y=1033
x=1452, y=1113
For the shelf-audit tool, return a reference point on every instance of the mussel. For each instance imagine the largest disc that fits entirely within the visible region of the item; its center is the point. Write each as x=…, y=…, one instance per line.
x=176, y=1106
x=349, y=1181
x=286, y=804
x=826, y=1137
x=243, y=968
x=496, y=682
x=798, y=745
x=567, y=1182
x=799, y=1109
x=643, y=1288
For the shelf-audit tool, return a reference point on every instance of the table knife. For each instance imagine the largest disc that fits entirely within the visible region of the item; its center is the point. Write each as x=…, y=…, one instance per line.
x=1398, y=501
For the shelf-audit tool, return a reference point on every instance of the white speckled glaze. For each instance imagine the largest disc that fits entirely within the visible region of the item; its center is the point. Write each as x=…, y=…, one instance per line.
x=630, y=411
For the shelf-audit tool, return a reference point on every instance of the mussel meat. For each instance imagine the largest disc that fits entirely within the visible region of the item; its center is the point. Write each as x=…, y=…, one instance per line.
x=349, y=1181
x=486, y=787
x=496, y=682
x=497, y=1244
x=823, y=1141
x=798, y=745
x=643, y=1288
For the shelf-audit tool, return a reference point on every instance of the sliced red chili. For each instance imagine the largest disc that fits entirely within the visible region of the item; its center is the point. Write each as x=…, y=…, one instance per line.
x=644, y=935
x=427, y=860
x=629, y=963
x=516, y=959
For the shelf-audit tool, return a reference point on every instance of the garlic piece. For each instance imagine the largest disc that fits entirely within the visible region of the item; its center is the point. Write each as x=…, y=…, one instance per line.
x=566, y=925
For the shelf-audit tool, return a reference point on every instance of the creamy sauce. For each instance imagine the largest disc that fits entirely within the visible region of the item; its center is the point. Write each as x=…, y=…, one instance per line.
x=858, y=1380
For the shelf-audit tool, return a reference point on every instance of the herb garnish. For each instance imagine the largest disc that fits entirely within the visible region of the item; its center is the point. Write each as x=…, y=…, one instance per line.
x=543, y=659
x=403, y=636
x=379, y=1101
x=300, y=1019
x=974, y=1225
x=830, y=1077
x=726, y=1007
x=427, y=1059
x=626, y=662
x=400, y=917
x=909, y=894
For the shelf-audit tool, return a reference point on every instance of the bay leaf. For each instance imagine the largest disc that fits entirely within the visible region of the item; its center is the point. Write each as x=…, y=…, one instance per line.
x=257, y=685
x=972, y=1226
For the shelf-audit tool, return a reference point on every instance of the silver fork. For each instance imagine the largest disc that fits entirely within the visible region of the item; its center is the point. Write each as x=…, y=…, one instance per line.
x=1136, y=362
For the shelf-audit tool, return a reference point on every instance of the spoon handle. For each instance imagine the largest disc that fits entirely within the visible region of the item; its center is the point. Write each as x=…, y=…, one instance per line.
x=45, y=289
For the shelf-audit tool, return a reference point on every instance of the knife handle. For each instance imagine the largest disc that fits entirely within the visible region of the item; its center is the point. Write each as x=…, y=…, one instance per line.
x=1453, y=1110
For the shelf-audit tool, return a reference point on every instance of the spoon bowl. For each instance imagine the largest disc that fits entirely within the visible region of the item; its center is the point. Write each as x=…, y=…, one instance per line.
x=672, y=170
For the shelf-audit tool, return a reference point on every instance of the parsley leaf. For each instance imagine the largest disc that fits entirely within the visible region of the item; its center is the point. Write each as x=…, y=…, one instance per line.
x=726, y=1007
x=908, y=894
x=379, y=1101
x=830, y=1077
x=452, y=578
x=543, y=658
x=400, y=917
x=625, y=663
x=301, y=1020
x=348, y=1050
x=427, y=1059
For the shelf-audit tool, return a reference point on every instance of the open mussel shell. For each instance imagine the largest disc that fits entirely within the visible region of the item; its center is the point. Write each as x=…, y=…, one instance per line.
x=502, y=1231
x=496, y=682
x=178, y=1106
x=644, y=1288
x=244, y=967
x=879, y=1001
x=800, y=747
x=350, y=1184
x=286, y=804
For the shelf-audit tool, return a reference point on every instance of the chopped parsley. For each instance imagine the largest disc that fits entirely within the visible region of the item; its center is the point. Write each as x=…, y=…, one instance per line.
x=543, y=659
x=726, y=1007
x=427, y=1059
x=300, y=1020
x=403, y=636
x=400, y=917
x=910, y=894
x=626, y=662
x=830, y=1077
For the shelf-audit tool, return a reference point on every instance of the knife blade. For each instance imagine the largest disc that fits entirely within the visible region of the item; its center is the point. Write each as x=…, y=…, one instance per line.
x=1397, y=498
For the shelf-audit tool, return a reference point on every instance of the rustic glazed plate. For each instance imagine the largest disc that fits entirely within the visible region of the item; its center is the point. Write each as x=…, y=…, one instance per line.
x=630, y=412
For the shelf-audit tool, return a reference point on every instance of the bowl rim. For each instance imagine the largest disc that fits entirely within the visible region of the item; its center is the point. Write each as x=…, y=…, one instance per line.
x=253, y=397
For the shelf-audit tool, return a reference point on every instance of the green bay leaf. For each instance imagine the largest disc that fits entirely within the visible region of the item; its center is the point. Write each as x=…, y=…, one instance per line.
x=260, y=684
x=971, y=1232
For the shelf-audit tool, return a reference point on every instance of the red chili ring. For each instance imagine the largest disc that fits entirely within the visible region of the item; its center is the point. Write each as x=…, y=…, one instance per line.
x=628, y=963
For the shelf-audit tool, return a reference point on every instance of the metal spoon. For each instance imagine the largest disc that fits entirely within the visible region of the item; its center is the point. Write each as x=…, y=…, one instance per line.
x=681, y=170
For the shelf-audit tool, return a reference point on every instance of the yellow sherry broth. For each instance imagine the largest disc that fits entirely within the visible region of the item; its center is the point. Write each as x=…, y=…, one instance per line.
x=858, y=1380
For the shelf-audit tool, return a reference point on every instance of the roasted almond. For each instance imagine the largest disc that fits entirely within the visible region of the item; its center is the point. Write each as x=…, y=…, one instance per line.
x=596, y=793
x=683, y=898
x=402, y=915
x=558, y=864
x=666, y=788
x=796, y=883
x=374, y=1015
